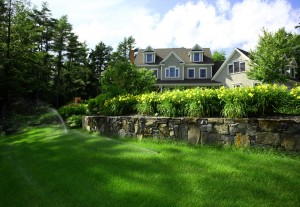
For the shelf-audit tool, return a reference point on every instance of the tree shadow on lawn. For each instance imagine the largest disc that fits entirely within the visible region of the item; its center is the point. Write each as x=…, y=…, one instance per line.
x=76, y=169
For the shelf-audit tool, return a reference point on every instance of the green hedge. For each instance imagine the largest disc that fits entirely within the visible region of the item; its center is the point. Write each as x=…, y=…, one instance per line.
x=262, y=100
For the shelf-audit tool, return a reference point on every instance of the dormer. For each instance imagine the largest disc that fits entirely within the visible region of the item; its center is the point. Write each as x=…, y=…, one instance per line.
x=196, y=54
x=149, y=55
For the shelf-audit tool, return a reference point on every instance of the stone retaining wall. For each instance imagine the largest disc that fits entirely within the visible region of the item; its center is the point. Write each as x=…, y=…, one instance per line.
x=279, y=133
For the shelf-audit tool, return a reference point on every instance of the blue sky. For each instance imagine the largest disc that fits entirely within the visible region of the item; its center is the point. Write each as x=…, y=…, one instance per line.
x=217, y=24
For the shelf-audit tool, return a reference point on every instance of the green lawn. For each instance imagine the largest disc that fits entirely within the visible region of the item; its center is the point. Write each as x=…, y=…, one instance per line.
x=43, y=166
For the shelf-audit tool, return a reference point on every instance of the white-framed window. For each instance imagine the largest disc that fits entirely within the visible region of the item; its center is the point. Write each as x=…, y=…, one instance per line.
x=155, y=72
x=172, y=72
x=237, y=85
x=203, y=73
x=149, y=58
x=236, y=67
x=230, y=68
x=242, y=66
x=191, y=73
x=196, y=57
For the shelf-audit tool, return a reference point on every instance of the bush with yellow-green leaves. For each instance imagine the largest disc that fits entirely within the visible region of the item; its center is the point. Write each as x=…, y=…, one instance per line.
x=262, y=100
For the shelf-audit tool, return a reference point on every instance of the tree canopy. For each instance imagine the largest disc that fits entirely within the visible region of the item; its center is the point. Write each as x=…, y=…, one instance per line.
x=126, y=78
x=219, y=56
x=270, y=58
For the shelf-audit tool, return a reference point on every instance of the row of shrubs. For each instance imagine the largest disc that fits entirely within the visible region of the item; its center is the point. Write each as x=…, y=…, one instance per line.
x=262, y=100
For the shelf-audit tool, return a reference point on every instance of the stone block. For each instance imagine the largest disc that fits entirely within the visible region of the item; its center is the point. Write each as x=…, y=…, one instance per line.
x=251, y=129
x=122, y=133
x=293, y=129
x=203, y=121
x=242, y=140
x=210, y=139
x=220, y=129
x=216, y=120
x=226, y=139
x=233, y=129
x=183, y=131
x=268, y=138
x=268, y=125
x=164, y=130
x=194, y=134
x=288, y=143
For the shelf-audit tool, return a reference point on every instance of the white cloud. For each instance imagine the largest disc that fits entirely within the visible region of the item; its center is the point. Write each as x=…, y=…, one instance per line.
x=218, y=25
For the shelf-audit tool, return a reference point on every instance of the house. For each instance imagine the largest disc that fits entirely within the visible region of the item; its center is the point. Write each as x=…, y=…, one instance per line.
x=194, y=67
x=232, y=72
x=179, y=66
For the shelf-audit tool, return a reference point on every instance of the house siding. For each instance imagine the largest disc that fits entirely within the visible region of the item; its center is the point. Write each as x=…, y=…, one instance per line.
x=229, y=80
x=197, y=70
x=172, y=61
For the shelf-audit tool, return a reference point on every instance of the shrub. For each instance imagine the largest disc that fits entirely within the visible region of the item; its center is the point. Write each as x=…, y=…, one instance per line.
x=74, y=121
x=72, y=109
x=96, y=105
x=121, y=105
x=147, y=103
x=49, y=118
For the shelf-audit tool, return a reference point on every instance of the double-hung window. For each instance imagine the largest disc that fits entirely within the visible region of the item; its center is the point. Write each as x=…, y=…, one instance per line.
x=242, y=67
x=230, y=68
x=196, y=57
x=203, y=73
x=149, y=58
x=172, y=72
x=191, y=73
x=236, y=67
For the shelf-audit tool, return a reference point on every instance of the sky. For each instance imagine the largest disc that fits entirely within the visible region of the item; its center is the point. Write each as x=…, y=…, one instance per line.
x=216, y=24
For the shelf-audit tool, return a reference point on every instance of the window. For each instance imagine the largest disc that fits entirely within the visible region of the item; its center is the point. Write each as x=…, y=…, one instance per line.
x=230, y=68
x=237, y=85
x=202, y=72
x=172, y=72
x=149, y=58
x=196, y=57
x=155, y=73
x=242, y=66
x=191, y=73
x=236, y=67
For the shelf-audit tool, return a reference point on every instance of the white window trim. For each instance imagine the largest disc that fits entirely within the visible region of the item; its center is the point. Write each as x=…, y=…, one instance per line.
x=200, y=73
x=200, y=57
x=168, y=69
x=228, y=68
x=145, y=56
x=188, y=73
x=240, y=66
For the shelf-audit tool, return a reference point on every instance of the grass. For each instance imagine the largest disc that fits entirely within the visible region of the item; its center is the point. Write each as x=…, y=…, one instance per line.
x=43, y=166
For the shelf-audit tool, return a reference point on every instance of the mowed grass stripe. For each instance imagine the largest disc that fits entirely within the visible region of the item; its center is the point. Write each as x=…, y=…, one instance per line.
x=43, y=166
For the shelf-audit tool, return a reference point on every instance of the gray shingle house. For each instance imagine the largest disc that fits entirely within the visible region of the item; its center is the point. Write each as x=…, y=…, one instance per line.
x=191, y=67
x=179, y=66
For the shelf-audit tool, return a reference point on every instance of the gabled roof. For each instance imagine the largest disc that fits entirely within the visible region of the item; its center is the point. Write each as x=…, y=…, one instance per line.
x=176, y=56
x=182, y=53
x=242, y=52
x=149, y=49
x=197, y=48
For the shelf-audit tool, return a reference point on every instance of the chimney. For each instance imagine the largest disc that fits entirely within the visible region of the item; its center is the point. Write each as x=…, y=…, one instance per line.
x=131, y=56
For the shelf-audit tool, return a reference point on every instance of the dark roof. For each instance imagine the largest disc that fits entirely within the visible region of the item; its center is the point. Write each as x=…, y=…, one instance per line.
x=189, y=81
x=216, y=67
x=244, y=52
x=182, y=53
